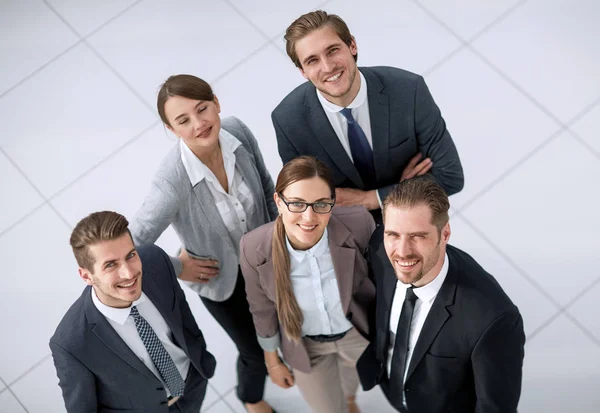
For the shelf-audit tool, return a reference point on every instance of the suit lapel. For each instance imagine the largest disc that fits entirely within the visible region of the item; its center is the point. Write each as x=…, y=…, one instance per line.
x=343, y=259
x=105, y=333
x=245, y=163
x=379, y=114
x=437, y=317
x=321, y=128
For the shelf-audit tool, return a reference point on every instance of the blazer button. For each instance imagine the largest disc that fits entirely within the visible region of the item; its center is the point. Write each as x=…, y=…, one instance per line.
x=406, y=389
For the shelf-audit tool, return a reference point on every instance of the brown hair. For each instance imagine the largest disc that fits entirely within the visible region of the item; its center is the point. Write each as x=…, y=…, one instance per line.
x=309, y=22
x=419, y=191
x=95, y=228
x=186, y=86
x=288, y=311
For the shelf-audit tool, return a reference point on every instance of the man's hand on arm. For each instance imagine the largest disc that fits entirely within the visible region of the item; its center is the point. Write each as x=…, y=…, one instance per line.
x=416, y=168
x=352, y=197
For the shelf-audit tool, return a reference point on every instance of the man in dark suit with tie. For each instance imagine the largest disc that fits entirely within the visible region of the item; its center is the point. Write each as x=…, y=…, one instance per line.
x=446, y=337
x=129, y=343
x=373, y=126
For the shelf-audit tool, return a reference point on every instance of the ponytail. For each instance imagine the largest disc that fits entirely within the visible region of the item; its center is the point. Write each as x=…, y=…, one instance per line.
x=288, y=311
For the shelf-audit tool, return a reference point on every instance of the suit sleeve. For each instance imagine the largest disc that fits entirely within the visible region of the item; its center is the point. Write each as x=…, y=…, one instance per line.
x=434, y=142
x=262, y=308
x=157, y=212
x=497, y=361
x=287, y=151
x=265, y=176
x=78, y=384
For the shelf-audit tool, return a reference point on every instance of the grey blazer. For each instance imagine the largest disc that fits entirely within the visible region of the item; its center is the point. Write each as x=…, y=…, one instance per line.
x=192, y=212
x=404, y=121
x=349, y=232
x=98, y=372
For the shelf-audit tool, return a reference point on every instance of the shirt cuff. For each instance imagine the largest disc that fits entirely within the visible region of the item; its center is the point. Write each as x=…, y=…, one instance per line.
x=379, y=200
x=269, y=343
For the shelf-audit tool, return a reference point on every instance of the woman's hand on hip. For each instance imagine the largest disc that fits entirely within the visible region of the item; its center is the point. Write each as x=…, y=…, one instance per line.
x=198, y=270
x=281, y=375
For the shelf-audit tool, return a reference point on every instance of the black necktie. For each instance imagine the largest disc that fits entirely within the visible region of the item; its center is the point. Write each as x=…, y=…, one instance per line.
x=362, y=154
x=401, y=348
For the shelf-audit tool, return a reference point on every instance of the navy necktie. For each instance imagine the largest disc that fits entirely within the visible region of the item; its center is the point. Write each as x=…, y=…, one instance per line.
x=401, y=347
x=161, y=359
x=362, y=154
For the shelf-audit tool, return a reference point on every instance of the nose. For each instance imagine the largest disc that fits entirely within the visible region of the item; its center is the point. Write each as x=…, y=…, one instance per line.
x=403, y=247
x=126, y=272
x=308, y=214
x=197, y=122
x=328, y=64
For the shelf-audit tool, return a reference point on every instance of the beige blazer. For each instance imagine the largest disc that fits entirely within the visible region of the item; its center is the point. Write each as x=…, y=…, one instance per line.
x=349, y=232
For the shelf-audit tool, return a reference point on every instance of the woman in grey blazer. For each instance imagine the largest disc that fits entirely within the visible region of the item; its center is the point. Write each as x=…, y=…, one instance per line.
x=212, y=187
x=308, y=287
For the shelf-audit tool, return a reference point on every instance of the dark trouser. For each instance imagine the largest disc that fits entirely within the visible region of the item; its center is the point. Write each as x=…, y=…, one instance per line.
x=234, y=316
x=193, y=393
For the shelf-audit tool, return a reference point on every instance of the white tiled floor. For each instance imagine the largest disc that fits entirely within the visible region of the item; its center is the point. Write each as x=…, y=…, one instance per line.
x=517, y=82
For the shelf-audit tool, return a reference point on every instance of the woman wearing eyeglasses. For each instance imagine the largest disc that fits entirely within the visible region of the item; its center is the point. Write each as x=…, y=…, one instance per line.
x=308, y=287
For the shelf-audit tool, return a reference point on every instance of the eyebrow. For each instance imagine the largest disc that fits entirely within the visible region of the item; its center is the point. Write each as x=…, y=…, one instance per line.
x=337, y=44
x=109, y=261
x=293, y=199
x=195, y=107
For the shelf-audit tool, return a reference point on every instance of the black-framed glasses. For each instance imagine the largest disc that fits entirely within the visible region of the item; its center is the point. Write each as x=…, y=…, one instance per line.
x=319, y=207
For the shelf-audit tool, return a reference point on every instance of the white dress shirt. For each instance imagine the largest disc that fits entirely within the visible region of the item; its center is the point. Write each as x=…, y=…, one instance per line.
x=425, y=297
x=236, y=207
x=360, y=113
x=316, y=289
x=125, y=327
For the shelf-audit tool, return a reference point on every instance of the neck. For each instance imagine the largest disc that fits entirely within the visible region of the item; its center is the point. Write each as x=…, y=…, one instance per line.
x=209, y=155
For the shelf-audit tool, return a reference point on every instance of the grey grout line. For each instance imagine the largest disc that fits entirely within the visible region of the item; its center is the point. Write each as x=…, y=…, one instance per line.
x=106, y=23
x=30, y=369
x=497, y=20
x=23, y=218
x=443, y=60
x=39, y=69
x=103, y=161
x=583, y=328
x=239, y=63
x=583, y=292
x=247, y=19
x=509, y=171
x=5, y=385
x=563, y=128
x=17, y=399
x=545, y=324
x=584, y=143
x=225, y=400
x=513, y=264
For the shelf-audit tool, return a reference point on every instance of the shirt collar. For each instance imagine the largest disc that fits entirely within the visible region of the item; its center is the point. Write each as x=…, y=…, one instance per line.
x=430, y=291
x=118, y=315
x=359, y=100
x=194, y=167
x=317, y=250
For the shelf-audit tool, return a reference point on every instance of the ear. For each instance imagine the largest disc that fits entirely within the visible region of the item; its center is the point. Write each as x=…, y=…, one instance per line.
x=216, y=101
x=302, y=73
x=86, y=276
x=277, y=201
x=446, y=232
x=353, y=47
x=169, y=127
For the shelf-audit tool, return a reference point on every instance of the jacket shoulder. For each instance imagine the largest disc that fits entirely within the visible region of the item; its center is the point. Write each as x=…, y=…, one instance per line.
x=257, y=236
x=73, y=324
x=477, y=288
x=293, y=101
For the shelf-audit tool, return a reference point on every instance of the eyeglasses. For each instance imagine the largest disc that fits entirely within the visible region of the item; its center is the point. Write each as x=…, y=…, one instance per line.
x=298, y=207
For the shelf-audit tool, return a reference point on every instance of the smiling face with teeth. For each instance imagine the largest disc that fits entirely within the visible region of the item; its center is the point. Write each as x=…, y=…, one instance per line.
x=304, y=229
x=330, y=65
x=116, y=275
x=197, y=122
x=414, y=245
